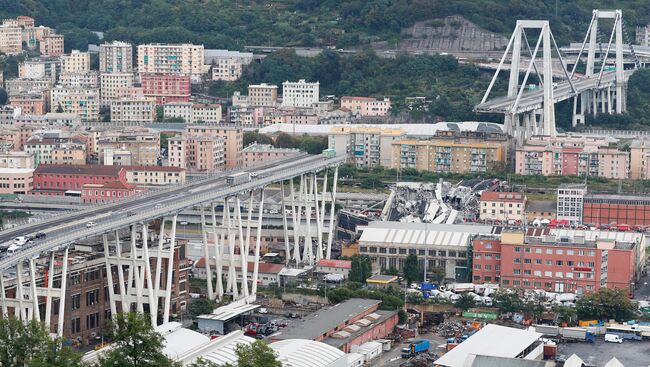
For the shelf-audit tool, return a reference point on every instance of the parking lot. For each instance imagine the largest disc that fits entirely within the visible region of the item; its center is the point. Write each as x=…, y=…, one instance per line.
x=630, y=353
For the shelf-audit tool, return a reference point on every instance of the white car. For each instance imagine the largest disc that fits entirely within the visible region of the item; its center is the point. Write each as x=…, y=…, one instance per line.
x=613, y=338
x=263, y=311
x=90, y=224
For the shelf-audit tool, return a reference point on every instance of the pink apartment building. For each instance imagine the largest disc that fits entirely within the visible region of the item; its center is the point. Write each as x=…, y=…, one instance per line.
x=259, y=153
x=366, y=106
x=568, y=156
x=166, y=87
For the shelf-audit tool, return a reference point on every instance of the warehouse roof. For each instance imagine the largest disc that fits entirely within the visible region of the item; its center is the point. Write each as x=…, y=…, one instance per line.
x=492, y=340
x=307, y=353
x=422, y=233
x=326, y=319
x=491, y=361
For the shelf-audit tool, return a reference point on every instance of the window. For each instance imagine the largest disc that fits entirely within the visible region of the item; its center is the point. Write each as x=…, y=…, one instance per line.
x=558, y=262
x=538, y=273
x=517, y=249
x=527, y=249
x=559, y=274
x=488, y=267
x=548, y=274
x=92, y=321
x=537, y=284
x=402, y=251
x=548, y=284
x=477, y=256
x=538, y=261
x=75, y=325
x=92, y=297
x=526, y=283
x=516, y=282
x=477, y=266
x=527, y=261
x=517, y=260
x=74, y=278
x=516, y=271
x=76, y=301
x=526, y=271
x=506, y=282
x=549, y=251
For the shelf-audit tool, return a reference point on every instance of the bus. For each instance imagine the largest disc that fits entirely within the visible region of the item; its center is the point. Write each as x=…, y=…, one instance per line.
x=625, y=332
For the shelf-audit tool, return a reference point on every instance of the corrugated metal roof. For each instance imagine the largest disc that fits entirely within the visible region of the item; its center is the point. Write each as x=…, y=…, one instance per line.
x=229, y=311
x=421, y=234
x=307, y=353
x=492, y=340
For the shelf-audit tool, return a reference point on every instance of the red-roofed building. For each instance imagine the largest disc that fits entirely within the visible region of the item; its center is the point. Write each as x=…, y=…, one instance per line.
x=502, y=206
x=68, y=179
x=106, y=192
x=166, y=87
x=334, y=267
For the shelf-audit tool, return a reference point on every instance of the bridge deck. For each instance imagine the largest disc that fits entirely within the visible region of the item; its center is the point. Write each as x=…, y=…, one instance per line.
x=63, y=230
x=532, y=100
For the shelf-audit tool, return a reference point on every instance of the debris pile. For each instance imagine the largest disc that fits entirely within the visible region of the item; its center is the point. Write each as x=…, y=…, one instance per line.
x=421, y=360
x=450, y=329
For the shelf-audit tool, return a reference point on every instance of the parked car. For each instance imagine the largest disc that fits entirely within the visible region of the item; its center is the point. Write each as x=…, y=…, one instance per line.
x=613, y=338
x=90, y=224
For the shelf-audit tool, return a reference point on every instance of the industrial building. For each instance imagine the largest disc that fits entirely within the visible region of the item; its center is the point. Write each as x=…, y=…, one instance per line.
x=496, y=341
x=440, y=245
x=343, y=325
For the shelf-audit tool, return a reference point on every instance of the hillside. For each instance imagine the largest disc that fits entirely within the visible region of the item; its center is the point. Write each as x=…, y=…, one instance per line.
x=344, y=23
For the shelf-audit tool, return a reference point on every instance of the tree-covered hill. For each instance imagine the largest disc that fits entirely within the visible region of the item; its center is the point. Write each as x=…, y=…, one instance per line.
x=234, y=23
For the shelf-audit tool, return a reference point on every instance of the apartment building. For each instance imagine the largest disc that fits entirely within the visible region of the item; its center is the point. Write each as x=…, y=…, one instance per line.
x=154, y=175
x=16, y=172
x=365, y=146
x=642, y=36
x=116, y=58
x=207, y=113
x=186, y=59
x=570, y=199
x=11, y=38
x=568, y=261
x=166, y=87
x=15, y=137
x=50, y=119
x=182, y=110
x=571, y=156
x=195, y=152
x=300, y=94
x=52, y=45
x=82, y=101
x=144, y=145
x=232, y=135
x=193, y=112
x=451, y=152
x=227, y=65
x=115, y=86
x=40, y=68
x=35, y=103
x=255, y=154
x=56, y=150
x=32, y=35
x=243, y=116
x=502, y=206
x=24, y=85
x=640, y=160
x=75, y=62
x=133, y=110
x=86, y=79
x=262, y=95
x=366, y=106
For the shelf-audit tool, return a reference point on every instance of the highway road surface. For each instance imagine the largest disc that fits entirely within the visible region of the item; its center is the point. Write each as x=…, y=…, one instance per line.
x=63, y=230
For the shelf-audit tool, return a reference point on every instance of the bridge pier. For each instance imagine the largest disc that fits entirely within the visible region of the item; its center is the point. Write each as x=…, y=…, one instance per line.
x=140, y=287
x=25, y=296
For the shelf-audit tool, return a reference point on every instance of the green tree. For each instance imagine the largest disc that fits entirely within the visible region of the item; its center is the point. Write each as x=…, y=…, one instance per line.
x=605, y=304
x=508, y=300
x=438, y=275
x=391, y=271
x=285, y=140
x=29, y=344
x=465, y=302
x=565, y=314
x=361, y=268
x=402, y=315
x=201, y=306
x=135, y=343
x=254, y=136
x=164, y=140
x=412, y=271
x=257, y=354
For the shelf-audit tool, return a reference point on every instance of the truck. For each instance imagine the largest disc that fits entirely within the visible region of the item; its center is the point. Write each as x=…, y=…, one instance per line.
x=238, y=178
x=576, y=334
x=329, y=153
x=548, y=330
x=414, y=348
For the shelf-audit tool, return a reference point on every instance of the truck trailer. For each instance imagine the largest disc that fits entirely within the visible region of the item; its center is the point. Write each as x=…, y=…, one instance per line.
x=238, y=178
x=414, y=348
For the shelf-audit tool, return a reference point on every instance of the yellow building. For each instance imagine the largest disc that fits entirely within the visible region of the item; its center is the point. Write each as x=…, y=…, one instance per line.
x=365, y=146
x=462, y=155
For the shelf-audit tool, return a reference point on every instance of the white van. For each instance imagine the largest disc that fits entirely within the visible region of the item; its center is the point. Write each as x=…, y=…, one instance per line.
x=613, y=338
x=20, y=240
